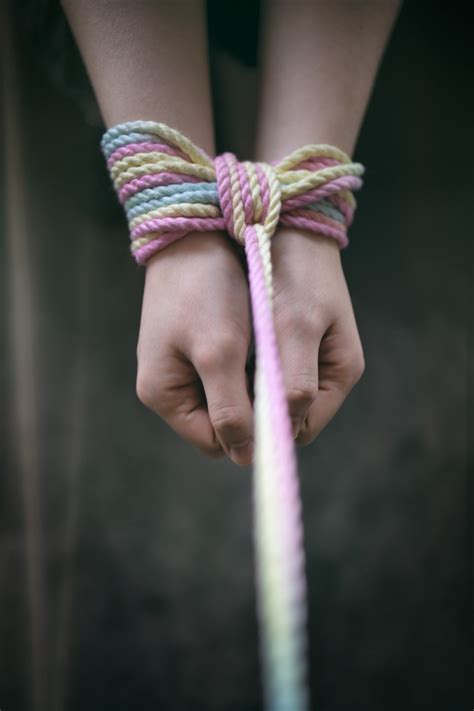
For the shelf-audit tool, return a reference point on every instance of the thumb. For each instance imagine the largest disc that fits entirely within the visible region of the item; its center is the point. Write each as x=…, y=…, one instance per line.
x=222, y=371
x=298, y=348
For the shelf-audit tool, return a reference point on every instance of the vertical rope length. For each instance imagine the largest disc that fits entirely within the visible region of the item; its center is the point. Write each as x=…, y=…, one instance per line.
x=169, y=187
x=277, y=517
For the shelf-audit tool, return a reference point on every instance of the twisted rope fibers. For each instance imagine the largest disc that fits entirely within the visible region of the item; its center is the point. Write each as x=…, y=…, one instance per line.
x=170, y=187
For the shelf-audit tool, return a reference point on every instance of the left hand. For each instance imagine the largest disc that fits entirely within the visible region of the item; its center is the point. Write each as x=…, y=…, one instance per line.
x=316, y=331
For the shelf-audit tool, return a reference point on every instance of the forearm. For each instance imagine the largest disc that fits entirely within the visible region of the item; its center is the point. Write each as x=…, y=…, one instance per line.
x=147, y=60
x=319, y=59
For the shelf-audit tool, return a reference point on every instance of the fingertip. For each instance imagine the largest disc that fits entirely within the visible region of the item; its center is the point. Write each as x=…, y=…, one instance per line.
x=196, y=428
x=296, y=425
x=242, y=455
x=320, y=414
x=216, y=453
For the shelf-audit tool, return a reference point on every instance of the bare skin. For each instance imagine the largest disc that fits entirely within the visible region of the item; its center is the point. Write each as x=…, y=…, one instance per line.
x=194, y=339
x=192, y=350
x=318, y=64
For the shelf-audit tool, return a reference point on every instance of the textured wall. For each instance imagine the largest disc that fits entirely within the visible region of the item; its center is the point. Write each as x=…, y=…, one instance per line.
x=126, y=574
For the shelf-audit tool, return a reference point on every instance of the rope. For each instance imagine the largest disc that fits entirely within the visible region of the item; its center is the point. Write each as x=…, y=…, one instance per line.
x=169, y=187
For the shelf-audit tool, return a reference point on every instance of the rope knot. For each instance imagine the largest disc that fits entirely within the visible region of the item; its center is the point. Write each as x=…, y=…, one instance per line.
x=170, y=187
x=249, y=194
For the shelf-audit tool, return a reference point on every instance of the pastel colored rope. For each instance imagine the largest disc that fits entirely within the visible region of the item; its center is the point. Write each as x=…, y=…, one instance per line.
x=169, y=187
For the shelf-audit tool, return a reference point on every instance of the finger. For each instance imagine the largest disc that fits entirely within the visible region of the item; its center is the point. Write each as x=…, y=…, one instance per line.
x=182, y=407
x=298, y=344
x=196, y=427
x=321, y=412
x=341, y=365
x=221, y=367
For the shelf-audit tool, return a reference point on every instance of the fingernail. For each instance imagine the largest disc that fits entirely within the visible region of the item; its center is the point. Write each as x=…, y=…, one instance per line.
x=295, y=426
x=242, y=453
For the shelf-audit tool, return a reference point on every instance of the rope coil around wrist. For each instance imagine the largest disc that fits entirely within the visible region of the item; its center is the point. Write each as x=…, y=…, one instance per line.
x=169, y=187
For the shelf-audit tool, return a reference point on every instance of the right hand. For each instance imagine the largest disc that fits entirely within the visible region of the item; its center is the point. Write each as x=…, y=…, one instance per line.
x=194, y=338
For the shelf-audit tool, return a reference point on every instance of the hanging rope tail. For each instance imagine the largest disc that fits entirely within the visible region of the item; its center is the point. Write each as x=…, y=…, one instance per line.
x=169, y=187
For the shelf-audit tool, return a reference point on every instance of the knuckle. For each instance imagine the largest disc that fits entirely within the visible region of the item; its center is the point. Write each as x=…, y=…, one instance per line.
x=227, y=419
x=215, y=353
x=206, y=358
x=354, y=367
x=302, y=392
x=298, y=320
x=146, y=390
x=359, y=366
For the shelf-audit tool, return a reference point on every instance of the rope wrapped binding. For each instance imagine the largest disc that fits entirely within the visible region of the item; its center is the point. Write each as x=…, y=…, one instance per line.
x=170, y=187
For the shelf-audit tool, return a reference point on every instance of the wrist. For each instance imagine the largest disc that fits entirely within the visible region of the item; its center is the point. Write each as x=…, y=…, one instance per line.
x=283, y=141
x=291, y=241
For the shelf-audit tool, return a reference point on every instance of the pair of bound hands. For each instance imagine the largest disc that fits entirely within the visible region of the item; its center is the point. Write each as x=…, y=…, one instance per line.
x=196, y=331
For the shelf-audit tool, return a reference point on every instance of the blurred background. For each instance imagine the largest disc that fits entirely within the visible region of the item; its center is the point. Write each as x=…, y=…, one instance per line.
x=126, y=562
